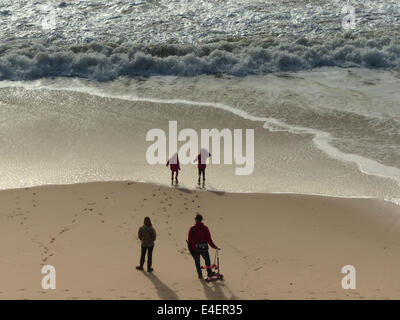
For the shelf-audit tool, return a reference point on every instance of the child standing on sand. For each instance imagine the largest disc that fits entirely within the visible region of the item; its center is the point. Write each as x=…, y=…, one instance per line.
x=175, y=167
x=147, y=235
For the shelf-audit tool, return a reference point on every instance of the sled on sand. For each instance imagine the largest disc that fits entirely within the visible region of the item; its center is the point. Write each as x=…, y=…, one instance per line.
x=215, y=266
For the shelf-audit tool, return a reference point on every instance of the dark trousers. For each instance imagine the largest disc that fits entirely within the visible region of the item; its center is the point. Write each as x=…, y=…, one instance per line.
x=206, y=256
x=202, y=171
x=149, y=251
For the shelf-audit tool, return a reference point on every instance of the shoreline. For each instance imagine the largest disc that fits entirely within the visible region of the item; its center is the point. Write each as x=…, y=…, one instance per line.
x=274, y=246
x=197, y=189
x=120, y=110
x=322, y=140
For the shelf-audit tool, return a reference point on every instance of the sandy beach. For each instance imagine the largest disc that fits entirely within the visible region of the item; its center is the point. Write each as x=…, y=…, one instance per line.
x=274, y=246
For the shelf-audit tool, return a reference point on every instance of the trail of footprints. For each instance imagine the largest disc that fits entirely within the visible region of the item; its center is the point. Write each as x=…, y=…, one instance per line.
x=187, y=204
x=21, y=217
x=89, y=210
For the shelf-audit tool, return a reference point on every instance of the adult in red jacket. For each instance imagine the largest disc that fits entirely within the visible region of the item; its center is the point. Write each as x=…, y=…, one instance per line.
x=198, y=240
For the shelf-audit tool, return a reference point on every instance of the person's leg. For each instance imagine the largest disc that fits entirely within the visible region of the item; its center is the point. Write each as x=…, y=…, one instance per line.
x=142, y=256
x=204, y=174
x=206, y=257
x=150, y=258
x=172, y=175
x=198, y=181
x=176, y=176
x=196, y=257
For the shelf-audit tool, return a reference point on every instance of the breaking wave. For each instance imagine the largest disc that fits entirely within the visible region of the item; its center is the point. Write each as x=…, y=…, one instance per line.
x=108, y=60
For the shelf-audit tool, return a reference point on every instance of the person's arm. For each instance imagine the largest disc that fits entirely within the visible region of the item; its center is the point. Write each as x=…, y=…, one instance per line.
x=209, y=240
x=191, y=239
x=140, y=234
x=167, y=163
x=154, y=235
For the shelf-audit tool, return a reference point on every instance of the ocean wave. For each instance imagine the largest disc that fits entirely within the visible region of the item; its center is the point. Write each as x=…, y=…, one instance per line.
x=107, y=61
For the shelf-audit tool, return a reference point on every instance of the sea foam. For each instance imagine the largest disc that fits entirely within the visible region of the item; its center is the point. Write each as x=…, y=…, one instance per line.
x=107, y=61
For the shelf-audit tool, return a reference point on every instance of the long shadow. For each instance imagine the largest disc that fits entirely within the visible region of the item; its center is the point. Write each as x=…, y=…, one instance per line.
x=183, y=189
x=218, y=193
x=233, y=297
x=213, y=291
x=215, y=191
x=163, y=291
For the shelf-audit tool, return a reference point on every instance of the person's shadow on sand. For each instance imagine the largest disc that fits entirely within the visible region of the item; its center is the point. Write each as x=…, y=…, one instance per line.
x=213, y=291
x=164, y=292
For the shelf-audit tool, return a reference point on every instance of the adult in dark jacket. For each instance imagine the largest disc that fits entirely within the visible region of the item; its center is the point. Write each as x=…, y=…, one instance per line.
x=198, y=236
x=147, y=236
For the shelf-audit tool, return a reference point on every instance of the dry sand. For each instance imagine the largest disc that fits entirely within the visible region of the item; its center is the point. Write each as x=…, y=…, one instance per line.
x=274, y=246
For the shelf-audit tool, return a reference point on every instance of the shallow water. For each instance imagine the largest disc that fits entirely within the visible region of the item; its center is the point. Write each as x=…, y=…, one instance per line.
x=319, y=132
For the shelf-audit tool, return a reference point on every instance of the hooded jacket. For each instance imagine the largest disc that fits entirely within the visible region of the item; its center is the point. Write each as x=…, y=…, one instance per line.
x=174, y=164
x=201, y=165
x=147, y=235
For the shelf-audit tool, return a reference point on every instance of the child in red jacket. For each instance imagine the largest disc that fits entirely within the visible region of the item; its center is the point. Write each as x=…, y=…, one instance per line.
x=174, y=166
